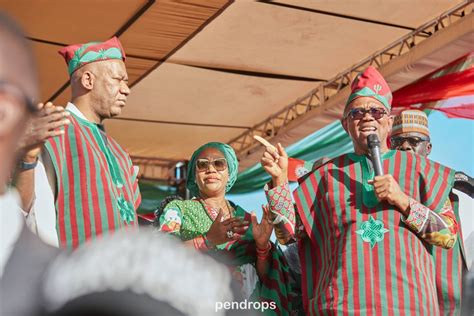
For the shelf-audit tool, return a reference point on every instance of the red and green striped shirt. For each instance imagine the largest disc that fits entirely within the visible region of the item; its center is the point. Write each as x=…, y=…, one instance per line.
x=449, y=265
x=96, y=186
x=360, y=256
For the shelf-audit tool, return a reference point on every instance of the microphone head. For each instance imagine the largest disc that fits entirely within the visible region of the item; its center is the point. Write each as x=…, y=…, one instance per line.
x=373, y=141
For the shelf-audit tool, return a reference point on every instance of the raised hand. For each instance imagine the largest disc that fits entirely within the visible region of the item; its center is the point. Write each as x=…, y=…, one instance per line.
x=262, y=231
x=47, y=123
x=274, y=161
x=218, y=232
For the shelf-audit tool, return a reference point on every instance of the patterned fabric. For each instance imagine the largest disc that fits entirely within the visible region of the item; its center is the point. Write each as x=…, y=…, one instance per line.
x=418, y=216
x=200, y=243
x=97, y=189
x=280, y=202
x=438, y=229
x=372, y=231
x=195, y=221
x=78, y=55
x=232, y=165
x=342, y=273
x=370, y=83
x=410, y=121
x=449, y=268
x=171, y=221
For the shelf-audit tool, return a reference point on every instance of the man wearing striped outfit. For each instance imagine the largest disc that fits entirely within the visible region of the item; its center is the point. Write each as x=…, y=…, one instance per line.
x=93, y=182
x=410, y=132
x=364, y=244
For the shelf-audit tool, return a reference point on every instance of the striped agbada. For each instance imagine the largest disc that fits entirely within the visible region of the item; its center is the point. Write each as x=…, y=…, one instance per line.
x=449, y=269
x=411, y=124
x=191, y=219
x=360, y=256
x=96, y=186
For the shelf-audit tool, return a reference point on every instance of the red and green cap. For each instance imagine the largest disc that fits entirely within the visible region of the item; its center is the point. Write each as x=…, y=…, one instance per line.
x=370, y=83
x=78, y=55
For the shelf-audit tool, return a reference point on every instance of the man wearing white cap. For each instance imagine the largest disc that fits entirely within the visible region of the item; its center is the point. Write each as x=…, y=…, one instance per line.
x=410, y=132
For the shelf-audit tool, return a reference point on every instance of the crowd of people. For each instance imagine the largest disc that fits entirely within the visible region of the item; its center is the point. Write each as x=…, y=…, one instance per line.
x=354, y=241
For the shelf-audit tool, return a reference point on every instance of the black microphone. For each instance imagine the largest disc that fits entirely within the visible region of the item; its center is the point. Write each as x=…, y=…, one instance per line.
x=374, y=151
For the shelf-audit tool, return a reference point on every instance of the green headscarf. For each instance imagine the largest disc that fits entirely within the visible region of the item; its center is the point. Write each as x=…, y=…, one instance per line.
x=232, y=165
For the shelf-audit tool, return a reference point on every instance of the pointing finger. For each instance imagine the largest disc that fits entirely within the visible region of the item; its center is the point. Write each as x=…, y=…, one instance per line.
x=281, y=150
x=263, y=141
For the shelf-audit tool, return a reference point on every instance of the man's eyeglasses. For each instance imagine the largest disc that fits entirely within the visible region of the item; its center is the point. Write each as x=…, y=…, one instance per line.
x=412, y=140
x=219, y=164
x=359, y=113
x=12, y=90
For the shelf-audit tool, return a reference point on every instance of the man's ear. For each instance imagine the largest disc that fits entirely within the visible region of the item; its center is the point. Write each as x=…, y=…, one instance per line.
x=428, y=148
x=390, y=122
x=344, y=124
x=88, y=80
x=10, y=114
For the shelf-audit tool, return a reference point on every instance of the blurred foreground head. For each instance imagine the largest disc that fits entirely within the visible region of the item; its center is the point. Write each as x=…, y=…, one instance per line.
x=135, y=273
x=18, y=90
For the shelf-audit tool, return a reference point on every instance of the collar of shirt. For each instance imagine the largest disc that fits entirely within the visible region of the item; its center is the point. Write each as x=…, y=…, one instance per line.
x=74, y=110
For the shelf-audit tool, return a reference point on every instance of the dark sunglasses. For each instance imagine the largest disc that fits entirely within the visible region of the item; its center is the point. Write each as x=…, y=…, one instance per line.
x=359, y=113
x=413, y=141
x=219, y=164
x=12, y=90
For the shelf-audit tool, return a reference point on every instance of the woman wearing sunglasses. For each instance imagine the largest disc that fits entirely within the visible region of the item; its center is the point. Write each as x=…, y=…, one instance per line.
x=210, y=223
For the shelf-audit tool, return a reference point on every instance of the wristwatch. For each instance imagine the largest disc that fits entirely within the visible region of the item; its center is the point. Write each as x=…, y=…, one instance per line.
x=28, y=165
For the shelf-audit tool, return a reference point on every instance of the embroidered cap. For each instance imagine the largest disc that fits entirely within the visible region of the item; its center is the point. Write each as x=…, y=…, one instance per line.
x=370, y=83
x=78, y=55
x=410, y=121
